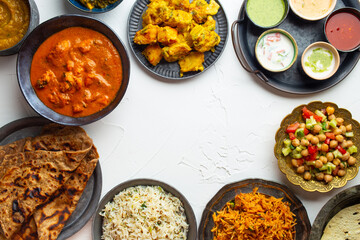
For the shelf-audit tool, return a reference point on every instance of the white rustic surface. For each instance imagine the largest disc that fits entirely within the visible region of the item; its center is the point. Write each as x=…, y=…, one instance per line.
x=196, y=135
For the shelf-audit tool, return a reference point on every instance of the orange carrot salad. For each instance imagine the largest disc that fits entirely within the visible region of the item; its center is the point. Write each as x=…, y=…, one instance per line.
x=254, y=216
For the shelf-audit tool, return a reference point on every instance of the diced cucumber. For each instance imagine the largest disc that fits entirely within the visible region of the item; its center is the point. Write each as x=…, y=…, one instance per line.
x=349, y=134
x=337, y=154
x=319, y=113
x=352, y=149
x=333, y=123
x=286, y=151
x=287, y=142
x=310, y=123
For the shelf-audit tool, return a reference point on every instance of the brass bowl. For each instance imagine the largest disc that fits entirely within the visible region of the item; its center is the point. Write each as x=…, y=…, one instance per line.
x=285, y=162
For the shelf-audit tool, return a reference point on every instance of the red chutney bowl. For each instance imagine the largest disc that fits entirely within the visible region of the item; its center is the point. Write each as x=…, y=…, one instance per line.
x=342, y=29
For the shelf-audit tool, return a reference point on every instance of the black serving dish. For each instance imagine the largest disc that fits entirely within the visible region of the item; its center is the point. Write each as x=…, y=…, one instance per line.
x=294, y=80
x=31, y=126
x=228, y=193
x=37, y=37
x=98, y=220
x=344, y=199
x=78, y=5
x=171, y=70
x=34, y=21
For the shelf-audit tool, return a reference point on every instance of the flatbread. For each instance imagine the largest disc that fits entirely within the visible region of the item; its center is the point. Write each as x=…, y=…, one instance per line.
x=344, y=225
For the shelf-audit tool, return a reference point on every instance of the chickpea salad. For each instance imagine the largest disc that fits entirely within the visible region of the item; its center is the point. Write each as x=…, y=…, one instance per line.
x=320, y=147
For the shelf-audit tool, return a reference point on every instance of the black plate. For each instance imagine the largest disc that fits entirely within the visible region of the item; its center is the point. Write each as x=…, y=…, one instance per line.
x=294, y=80
x=29, y=127
x=228, y=193
x=344, y=199
x=98, y=220
x=172, y=70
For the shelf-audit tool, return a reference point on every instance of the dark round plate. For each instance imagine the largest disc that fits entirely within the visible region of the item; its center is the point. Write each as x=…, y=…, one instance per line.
x=98, y=220
x=228, y=193
x=344, y=199
x=294, y=80
x=77, y=4
x=31, y=126
x=37, y=37
x=172, y=70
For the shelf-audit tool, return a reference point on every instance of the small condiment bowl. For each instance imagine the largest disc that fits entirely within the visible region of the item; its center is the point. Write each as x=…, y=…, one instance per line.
x=288, y=35
x=78, y=5
x=310, y=18
x=335, y=54
x=37, y=37
x=34, y=21
x=350, y=10
x=273, y=25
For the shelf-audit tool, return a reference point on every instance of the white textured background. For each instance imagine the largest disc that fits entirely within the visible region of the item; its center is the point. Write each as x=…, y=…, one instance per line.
x=196, y=135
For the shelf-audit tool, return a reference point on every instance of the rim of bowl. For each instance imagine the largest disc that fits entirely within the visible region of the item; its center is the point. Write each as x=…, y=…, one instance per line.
x=332, y=7
x=33, y=23
x=344, y=9
x=286, y=2
x=94, y=10
x=290, y=37
x=39, y=107
x=329, y=47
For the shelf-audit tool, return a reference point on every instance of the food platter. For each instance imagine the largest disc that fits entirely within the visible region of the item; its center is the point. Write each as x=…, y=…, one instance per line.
x=98, y=220
x=285, y=165
x=228, y=192
x=86, y=207
x=294, y=80
x=164, y=69
x=77, y=4
x=346, y=198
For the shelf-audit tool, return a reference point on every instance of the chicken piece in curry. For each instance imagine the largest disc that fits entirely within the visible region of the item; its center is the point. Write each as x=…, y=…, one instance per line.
x=182, y=30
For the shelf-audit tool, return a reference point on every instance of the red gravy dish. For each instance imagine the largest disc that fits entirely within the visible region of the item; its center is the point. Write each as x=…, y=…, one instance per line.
x=343, y=31
x=76, y=72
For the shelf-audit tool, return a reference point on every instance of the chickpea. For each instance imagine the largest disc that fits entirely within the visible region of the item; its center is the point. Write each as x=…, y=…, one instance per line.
x=331, y=117
x=340, y=121
x=349, y=143
x=309, y=137
x=324, y=147
x=348, y=128
x=314, y=140
x=343, y=129
x=295, y=142
x=339, y=138
x=330, y=156
x=304, y=142
x=330, y=110
x=328, y=178
x=327, y=126
x=336, y=161
x=307, y=176
x=337, y=131
x=341, y=172
x=319, y=176
x=305, y=153
x=294, y=162
x=318, y=164
x=344, y=144
x=321, y=137
x=317, y=128
x=342, y=165
x=345, y=156
x=300, y=169
x=302, y=125
x=333, y=144
x=351, y=161
x=323, y=159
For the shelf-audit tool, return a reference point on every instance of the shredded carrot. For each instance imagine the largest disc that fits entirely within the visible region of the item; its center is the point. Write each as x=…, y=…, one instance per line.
x=254, y=216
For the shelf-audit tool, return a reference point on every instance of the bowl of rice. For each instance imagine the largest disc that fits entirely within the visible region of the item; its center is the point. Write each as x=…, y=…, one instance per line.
x=144, y=209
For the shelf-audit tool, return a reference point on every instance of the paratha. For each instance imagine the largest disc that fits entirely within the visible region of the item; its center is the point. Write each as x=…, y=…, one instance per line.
x=344, y=225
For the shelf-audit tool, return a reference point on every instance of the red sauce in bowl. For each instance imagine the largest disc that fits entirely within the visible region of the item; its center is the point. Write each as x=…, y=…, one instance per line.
x=343, y=31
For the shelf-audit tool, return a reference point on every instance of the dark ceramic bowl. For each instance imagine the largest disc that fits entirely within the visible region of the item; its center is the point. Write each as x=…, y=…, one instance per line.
x=37, y=37
x=353, y=11
x=272, y=26
x=98, y=220
x=77, y=4
x=34, y=21
x=344, y=199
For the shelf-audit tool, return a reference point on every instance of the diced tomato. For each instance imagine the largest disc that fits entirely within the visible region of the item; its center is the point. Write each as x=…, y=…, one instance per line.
x=343, y=151
x=306, y=131
x=292, y=136
x=335, y=171
x=307, y=114
x=300, y=162
x=327, y=141
x=312, y=149
x=330, y=135
x=292, y=127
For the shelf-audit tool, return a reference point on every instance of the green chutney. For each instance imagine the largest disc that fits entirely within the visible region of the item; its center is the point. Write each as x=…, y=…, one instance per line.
x=319, y=60
x=265, y=13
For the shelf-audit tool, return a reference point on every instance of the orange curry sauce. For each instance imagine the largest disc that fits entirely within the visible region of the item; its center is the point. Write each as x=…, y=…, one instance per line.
x=76, y=72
